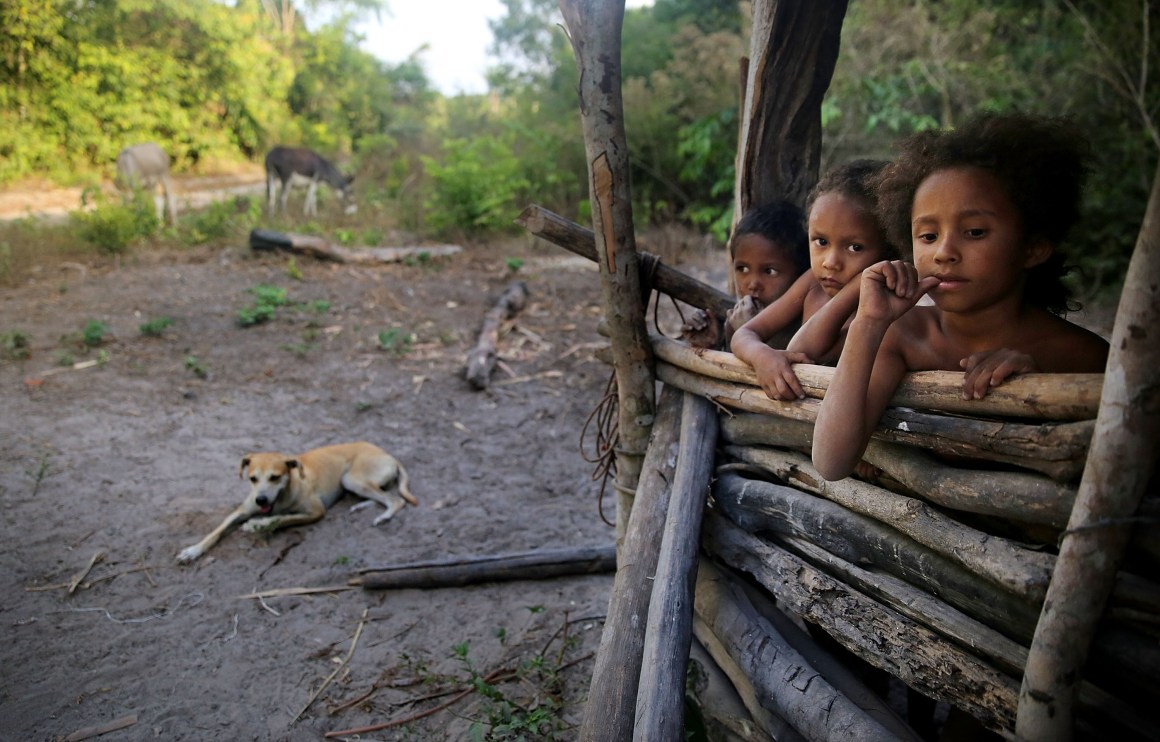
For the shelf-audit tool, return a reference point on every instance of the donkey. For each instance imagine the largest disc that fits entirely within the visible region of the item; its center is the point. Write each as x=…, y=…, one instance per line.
x=146, y=166
x=292, y=166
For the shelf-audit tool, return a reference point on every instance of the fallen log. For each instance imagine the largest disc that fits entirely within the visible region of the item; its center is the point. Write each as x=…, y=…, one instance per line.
x=582, y=241
x=1022, y=571
x=481, y=359
x=1034, y=396
x=669, y=629
x=918, y=656
x=323, y=249
x=529, y=565
x=1027, y=446
x=785, y=682
x=616, y=672
x=761, y=506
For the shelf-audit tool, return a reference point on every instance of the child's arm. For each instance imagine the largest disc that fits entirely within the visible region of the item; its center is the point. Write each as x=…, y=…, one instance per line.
x=774, y=374
x=867, y=372
x=820, y=337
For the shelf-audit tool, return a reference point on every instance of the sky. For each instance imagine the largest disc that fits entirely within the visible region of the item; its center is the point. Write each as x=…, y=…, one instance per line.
x=455, y=31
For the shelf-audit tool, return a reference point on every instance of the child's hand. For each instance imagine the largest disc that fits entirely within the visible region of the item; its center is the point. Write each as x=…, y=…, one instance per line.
x=702, y=330
x=990, y=368
x=746, y=308
x=889, y=289
x=776, y=377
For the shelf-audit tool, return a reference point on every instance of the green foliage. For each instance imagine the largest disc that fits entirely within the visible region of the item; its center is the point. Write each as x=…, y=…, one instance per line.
x=112, y=227
x=194, y=366
x=221, y=219
x=16, y=345
x=477, y=185
x=267, y=299
x=395, y=340
x=94, y=333
x=155, y=327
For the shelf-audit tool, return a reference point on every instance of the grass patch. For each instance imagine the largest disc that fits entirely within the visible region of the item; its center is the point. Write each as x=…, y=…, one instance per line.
x=16, y=345
x=396, y=340
x=267, y=299
x=155, y=328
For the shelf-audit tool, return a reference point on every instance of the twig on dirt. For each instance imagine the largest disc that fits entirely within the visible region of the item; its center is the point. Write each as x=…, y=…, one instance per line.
x=552, y=374
x=490, y=678
x=98, y=730
x=82, y=539
x=233, y=633
x=72, y=586
x=78, y=366
x=196, y=598
x=281, y=555
x=345, y=661
x=264, y=604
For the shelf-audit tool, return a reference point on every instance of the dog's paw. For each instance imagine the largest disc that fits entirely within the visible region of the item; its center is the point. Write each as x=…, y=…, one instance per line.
x=188, y=554
x=385, y=516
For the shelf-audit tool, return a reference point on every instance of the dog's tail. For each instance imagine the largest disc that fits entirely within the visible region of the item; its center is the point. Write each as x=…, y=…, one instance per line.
x=404, y=490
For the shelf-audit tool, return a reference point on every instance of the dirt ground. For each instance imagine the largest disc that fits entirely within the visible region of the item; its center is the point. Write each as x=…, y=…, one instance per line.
x=129, y=460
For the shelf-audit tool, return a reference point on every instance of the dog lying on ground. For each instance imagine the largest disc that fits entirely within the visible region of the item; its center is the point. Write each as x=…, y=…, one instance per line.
x=295, y=490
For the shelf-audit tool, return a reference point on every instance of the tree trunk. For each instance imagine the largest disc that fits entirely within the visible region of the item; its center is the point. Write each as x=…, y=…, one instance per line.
x=1120, y=465
x=669, y=631
x=793, y=50
x=609, y=714
x=322, y=249
x=594, y=27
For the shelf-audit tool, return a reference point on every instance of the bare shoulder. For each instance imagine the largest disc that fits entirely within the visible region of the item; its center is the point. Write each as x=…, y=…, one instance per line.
x=1060, y=346
x=916, y=338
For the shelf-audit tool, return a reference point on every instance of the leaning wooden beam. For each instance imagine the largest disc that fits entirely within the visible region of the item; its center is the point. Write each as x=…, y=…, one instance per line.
x=594, y=30
x=1022, y=571
x=666, y=279
x=669, y=630
x=529, y=565
x=918, y=656
x=1114, y=481
x=977, y=439
x=786, y=683
x=757, y=505
x=1038, y=396
x=481, y=359
x=611, y=704
x=323, y=249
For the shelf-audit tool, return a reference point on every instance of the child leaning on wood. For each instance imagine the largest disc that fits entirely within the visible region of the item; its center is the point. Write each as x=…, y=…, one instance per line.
x=984, y=208
x=845, y=237
x=768, y=251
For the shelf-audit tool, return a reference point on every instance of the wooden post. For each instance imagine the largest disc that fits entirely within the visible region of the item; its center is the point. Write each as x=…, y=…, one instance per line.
x=608, y=715
x=793, y=50
x=594, y=28
x=1120, y=464
x=669, y=632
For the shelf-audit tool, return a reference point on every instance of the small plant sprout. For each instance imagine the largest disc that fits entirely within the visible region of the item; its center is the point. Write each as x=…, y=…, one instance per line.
x=195, y=366
x=15, y=345
x=155, y=327
x=94, y=333
x=514, y=264
x=395, y=340
x=292, y=270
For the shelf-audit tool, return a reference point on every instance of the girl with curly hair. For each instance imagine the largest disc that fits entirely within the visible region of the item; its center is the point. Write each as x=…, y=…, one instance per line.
x=984, y=208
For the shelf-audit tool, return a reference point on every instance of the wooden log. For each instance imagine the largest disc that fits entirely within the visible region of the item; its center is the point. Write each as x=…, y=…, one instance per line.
x=1028, y=446
x=664, y=278
x=1120, y=466
x=481, y=359
x=761, y=506
x=594, y=31
x=1022, y=571
x=1032, y=396
x=1028, y=498
x=529, y=565
x=323, y=249
x=785, y=682
x=881, y=636
x=669, y=630
x=616, y=672
x=769, y=725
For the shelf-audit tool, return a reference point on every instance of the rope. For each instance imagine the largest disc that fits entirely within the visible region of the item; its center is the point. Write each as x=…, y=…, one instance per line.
x=192, y=598
x=602, y=421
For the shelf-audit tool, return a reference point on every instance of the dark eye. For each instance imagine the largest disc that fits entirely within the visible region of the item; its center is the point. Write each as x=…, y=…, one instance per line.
x=925, y=237
x=741, y=268
x=976, y=233
x=855, y=247
x=771, y=271
x=821, y=241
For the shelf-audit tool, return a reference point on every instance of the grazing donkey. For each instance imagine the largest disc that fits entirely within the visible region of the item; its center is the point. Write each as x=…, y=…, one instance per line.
x=292, y=166
x=146, y=166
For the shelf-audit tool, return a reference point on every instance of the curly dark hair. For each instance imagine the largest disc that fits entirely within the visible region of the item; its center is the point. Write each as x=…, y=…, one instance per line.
x=783, y=224
x=1040, y=162
x=855, y=180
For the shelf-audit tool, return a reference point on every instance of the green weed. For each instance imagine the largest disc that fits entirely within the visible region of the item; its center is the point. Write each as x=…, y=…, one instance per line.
x=267, y=299
x=16, y=345
x=155, y=327
x=195, y=366
x=514, y=264
x=113, y=227
x=94, y=333
x=396, y=340
x=293, y=271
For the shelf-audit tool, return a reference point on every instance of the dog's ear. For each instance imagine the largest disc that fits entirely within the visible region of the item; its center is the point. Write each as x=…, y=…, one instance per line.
x=293, y=464
x=242, y=468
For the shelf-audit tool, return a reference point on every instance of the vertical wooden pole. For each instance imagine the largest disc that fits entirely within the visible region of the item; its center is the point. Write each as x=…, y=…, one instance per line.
x=594, y=27
x=1120, y=464
x=660, y=701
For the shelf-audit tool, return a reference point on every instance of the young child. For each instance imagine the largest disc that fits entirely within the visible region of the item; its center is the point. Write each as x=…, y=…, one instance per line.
x=845, y=238
x=768, y=252
x=984, y=207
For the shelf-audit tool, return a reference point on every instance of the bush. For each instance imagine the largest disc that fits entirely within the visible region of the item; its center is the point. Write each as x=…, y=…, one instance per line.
x=113, y=227
x=477, y=186
x=222, y=219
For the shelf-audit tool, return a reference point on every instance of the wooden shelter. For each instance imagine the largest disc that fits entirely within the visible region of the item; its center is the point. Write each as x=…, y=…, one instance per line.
x=1002, y=556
